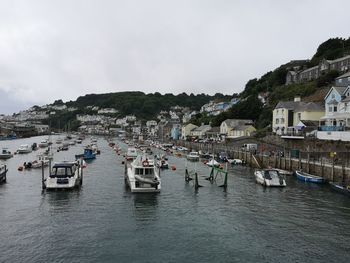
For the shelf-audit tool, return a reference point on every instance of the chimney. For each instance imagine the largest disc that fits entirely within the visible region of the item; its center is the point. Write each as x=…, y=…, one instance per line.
x=297, y=98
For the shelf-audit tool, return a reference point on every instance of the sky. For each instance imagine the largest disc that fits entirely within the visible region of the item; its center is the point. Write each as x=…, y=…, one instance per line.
x=63, y=49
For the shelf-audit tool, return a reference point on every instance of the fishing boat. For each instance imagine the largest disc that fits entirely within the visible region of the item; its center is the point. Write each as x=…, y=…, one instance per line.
x=5, y=154
x=193, y=156
x=43, y=144
x=340, y=188
x=3, y=172
x=24, y=148
x=131, y=154
x=309, y=177
x=142, y=176
x=87, y=155
x=269, y=177
x=64, y=175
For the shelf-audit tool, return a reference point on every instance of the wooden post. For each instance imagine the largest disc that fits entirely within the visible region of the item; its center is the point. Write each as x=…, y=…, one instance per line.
x=300, y=167
x=308, y=159
x=43, y=186
x=196, y=183
x=290, y=160
x=5, y=173
x=332, y=173
x=322, y=165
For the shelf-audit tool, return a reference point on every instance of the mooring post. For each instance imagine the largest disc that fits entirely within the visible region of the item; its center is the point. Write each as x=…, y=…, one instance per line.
x=81, y=169
x=300, y=167
x=5, y=173
x=42, y=175
x=196, y=183
x=333, y=168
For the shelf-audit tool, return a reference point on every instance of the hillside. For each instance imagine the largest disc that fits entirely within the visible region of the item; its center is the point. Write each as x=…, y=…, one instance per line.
x=273, y=84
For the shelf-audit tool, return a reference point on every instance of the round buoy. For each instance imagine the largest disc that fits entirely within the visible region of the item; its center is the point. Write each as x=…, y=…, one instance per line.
x=123, y=162
x=20, y=168
x=173, y=167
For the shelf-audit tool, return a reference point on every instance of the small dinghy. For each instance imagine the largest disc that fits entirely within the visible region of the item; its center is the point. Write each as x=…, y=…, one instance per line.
x=269, y=177
x=309, y=177
x=340, y=188
x=212, y=163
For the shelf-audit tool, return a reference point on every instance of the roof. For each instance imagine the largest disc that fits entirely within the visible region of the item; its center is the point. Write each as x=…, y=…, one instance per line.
x=243, y=127
x=235, y=122
x=201, y=128
x=308, y=123
x=340, y=59
x=299, y=106
x=214, y=130
x=64, y=164
x=333, y=101
x=338, y=89
x=347, y=74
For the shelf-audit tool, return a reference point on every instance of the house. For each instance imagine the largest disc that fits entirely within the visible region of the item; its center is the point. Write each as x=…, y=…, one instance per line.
x=186, y=130
x=335, y=124
x=176, y=132
x=299, y=76
x=200, y=132
x=164, y=129
x=343, y=80
x=213, y=133
x=287, y=114
x=107, y=111
x=227, y=126
x=242, y=131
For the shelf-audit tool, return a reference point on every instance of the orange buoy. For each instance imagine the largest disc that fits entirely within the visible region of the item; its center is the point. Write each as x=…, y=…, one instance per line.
x=20, y=168
x=173, y=167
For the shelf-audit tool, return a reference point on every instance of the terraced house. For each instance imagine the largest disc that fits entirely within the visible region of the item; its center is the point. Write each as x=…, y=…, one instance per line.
x=299, y=76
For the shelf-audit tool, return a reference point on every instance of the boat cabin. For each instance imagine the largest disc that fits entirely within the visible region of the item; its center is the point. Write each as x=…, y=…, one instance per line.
x=63, y=170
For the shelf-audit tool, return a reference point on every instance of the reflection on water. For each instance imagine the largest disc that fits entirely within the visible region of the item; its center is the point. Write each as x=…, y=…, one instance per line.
x=145, y=206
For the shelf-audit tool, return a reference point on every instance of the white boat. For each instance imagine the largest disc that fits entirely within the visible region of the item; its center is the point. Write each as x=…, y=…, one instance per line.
x=269, y=177
x=24, y=148
x=72, y=142
x=212, y=163
x=79, y=141
x=42, y=159
x=93, y=139
x=193, y=156
x=59, y=141
x=235, y=161
x=131, y=154
x=64, y=175
x=5, y=154
x=43, y=144
x=142, y=176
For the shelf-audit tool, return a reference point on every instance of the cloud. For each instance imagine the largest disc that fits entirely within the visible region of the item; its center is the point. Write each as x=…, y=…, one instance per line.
x=63, y=49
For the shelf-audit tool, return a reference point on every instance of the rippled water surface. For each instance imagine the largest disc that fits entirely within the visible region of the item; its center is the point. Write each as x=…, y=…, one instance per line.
x=104, y=222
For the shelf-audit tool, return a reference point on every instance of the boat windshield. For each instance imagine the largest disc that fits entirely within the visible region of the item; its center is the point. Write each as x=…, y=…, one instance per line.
x=144, y=171
x=61, y=172
x=271, y=174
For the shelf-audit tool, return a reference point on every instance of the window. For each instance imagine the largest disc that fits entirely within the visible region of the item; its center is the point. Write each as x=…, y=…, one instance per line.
x=277, y=121
x=282, y=120
x=299, y=116
x=330, y=108
x=335, y=109
x=277, y=111
x=282, y=111
x=340, y=80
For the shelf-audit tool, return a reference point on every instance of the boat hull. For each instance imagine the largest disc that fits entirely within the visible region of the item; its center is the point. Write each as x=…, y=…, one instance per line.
x=339, y=188
x=309, y=178
x=145, y=187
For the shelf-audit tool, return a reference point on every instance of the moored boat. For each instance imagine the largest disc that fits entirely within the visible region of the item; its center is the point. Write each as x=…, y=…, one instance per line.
x=42, y=160
x=340, y=188
x=64, y=175
x=212, y=163
x=5, y=154
x=24, y=148
x=269, y=177
x=131, y=154
x=43, y=143
x=302, y=176
x=193, y=156
x=87, y=155
x=142, y=176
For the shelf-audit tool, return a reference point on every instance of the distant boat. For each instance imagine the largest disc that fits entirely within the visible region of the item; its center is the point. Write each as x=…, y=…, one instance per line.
x=269, y=177
x=59, y=141
x=163, y=164
x=131, y=154
x=340, y=188
x=235, y=161
x=3, y=172
x=24, y=148
x=305, y=177
x=43, y=144
x=42, y=160
x=87, y=155
x=5, y=154
x=193, y=156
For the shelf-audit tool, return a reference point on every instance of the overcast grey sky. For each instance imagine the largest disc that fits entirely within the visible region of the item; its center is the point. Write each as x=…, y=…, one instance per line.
x=61, y=49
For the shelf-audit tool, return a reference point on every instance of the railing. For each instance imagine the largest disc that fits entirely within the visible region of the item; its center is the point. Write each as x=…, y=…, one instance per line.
x=331, y=128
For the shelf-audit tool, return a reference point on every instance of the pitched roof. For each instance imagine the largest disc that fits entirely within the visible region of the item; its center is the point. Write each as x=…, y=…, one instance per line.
x=201, y=128
x=235, y=122
x=214, y=130
x=308, y=123
x=299, y=106
x=347, y=74
x=340, y=59
x=243, y=127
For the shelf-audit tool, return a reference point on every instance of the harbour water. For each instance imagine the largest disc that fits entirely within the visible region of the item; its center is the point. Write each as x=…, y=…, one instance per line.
x=104, y=222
